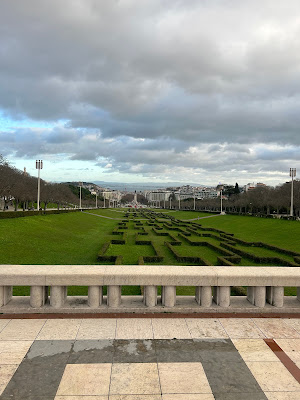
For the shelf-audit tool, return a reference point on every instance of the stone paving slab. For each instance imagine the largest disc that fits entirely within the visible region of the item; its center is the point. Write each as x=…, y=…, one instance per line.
x=148, y=359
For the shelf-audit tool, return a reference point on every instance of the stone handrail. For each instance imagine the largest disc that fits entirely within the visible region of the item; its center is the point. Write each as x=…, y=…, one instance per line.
x=213, y=283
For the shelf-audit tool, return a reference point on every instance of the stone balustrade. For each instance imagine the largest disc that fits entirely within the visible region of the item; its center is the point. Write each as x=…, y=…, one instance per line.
x=213, y=284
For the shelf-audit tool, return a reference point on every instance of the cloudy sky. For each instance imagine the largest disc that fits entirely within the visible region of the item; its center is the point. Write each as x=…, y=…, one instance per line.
x=163, y=90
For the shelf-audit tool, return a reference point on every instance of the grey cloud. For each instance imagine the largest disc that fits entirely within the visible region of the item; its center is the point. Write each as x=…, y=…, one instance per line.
x=219, y=77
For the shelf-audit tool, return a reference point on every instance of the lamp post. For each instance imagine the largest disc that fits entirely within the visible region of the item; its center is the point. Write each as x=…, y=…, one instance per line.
x=221, y=195
x=194, y=199
x=292, y=174
x=80, y=186
x=38, y=166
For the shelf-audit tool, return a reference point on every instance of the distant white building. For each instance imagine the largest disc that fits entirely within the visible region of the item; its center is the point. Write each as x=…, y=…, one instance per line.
x=183, y=192
x=112, y=195
x=251, y=186
x=198, y=193
x=158, y=195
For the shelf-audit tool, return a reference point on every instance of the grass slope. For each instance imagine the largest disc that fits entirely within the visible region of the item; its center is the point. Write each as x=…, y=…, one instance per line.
x=281, y=233
x=73, y=238
x=76, y=238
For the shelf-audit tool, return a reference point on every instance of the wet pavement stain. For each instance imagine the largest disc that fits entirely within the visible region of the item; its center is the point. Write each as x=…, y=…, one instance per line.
x=39, y=374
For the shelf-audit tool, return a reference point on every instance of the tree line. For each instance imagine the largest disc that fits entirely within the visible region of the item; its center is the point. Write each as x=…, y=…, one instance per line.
x=19, y=189
x=258, y=201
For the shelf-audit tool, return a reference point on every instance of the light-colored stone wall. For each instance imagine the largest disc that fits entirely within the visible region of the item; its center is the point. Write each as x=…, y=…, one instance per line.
x=265, y=284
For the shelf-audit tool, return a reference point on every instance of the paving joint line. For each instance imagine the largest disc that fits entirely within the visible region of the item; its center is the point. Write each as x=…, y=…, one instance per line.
x=284, y=358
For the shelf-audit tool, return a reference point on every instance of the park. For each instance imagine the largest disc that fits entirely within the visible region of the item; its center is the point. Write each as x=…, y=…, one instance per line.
x=148, y=237
x=149, y=200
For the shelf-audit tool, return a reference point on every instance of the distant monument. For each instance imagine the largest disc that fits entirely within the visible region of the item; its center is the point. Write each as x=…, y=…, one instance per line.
x=135, y=197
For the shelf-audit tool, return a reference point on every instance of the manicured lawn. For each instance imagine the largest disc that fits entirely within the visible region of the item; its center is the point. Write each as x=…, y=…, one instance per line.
x=119, y=214
x=130, y=253
x=77, y=238
x=281, y=233
x=184, y=214
x=262, y=252
x=73, y=238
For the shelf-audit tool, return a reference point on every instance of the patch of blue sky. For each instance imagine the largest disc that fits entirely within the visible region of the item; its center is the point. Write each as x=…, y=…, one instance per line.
x=9, y=124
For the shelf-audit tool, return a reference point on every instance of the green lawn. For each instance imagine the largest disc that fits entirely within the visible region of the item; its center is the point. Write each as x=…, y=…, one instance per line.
x=76, y=238
x=109, y=212
x=130, y=253
x=276, y=232
x=73, y=238
x=262, y=252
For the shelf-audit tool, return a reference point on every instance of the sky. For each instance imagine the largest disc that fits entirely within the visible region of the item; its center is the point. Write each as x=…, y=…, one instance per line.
x=151, y=91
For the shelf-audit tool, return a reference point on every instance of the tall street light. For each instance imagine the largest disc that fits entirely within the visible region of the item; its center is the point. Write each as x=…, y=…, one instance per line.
x=221, y=195
x=80, y=186
x=38, y=166
x=292, y=174
x=194, y=199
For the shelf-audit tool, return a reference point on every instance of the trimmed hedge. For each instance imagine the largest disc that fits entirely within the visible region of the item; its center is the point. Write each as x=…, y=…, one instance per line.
x=159, y=233
x=238, y=291
x=102, y=256
x=174, y=241
x=119, y=260
x=141, y=260
x=117, y=232
x=158, y=255
x=19, y=214
x=139, y=241
x=203, y=243
x=259, y=259
x=117, y=241
x=225, y=262
x=188, y=259
x=224, y=234
x=266, y=246
x=229, y=260
x=193, y=231
x=104, y=248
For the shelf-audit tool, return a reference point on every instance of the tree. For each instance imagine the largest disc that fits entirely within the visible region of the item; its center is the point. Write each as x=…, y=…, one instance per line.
x=21, y=188
x=228, y=190
x=127, y=198
x=142, y=199
x=236, y=189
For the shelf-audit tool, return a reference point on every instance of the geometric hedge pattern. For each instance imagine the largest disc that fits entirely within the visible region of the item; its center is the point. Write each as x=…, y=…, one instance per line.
x=148, y=237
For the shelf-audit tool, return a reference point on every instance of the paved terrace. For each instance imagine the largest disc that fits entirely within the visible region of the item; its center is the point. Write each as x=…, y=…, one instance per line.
x=151, y=358
x=101, y=353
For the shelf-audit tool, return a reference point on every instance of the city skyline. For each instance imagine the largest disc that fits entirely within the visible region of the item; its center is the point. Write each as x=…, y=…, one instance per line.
x=133, y=91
